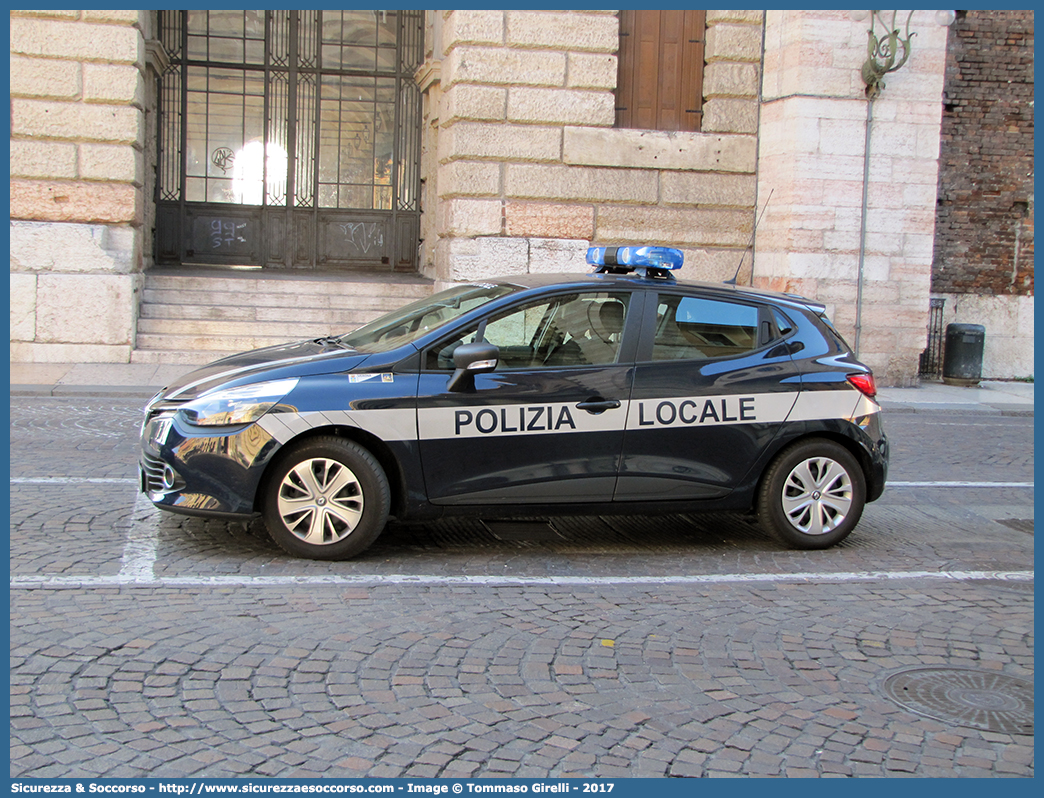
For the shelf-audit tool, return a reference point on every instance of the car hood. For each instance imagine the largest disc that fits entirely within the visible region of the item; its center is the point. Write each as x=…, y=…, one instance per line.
x=296, y=359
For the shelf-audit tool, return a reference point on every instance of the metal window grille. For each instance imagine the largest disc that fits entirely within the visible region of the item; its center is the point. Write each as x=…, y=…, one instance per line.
x=310, y=114
x=931, y=357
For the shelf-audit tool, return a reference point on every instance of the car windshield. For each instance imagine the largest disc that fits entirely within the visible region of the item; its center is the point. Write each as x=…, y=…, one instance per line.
x=409, y=323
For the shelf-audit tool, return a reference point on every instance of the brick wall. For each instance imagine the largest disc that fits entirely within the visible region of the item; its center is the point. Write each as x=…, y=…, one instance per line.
x=522, y=165
x=77, y=200
x=984, y=223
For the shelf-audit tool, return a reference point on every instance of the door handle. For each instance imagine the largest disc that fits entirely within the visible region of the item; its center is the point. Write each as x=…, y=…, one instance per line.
x=596, y=406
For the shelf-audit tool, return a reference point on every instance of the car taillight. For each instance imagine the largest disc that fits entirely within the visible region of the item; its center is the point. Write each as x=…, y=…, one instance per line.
x=865, y=384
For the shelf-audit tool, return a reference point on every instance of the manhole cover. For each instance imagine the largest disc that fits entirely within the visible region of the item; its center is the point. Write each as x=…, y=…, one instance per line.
x=966, y=697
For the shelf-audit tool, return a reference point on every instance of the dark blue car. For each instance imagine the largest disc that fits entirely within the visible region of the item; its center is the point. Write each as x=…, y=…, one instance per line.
x=623, y=390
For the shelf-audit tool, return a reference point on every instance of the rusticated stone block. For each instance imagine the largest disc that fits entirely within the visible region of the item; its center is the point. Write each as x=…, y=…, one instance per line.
x=76, y=121
x=47, y=159
x=469, y=178
x=75, y=202
x=470, y=217
x=500, y=66
x=111, y=162
x=477, y=140
x=751, y=17
x=591, y=71
x=125, y=16
x=577, y=183
x=25, y=352
x=672, y=226
x=654, y=149
x=45, y=78
x=549, y=220
x=572, y=30
x=549, y=256
x=63, y=14
x=84, y=309
x=474, y=103
x=726, y=79
x=561, y=106
x=689, y=188
x=729, y=115
x=117, y=44
x=23, y=307
x=733, y=42
x=118, y=84
x=63, y=247
x=473, y=26
x=465, y=259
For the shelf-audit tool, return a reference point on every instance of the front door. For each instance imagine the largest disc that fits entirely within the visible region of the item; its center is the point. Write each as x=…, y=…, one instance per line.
x=547, y=425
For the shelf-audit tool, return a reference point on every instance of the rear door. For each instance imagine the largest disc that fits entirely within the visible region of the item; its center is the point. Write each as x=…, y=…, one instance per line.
x=547, y=425
x=713, y=384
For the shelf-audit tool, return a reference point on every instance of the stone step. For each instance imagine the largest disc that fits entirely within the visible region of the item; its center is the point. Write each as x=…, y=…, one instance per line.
x=192, y=316
x=209, y=298
x=167, y=357
x=208, y=346
x=396, y=285
x=343, y=318
x=283, y=330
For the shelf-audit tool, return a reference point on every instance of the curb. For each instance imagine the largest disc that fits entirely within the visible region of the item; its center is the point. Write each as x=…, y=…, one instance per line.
x=97, y=391
x=1009, y=410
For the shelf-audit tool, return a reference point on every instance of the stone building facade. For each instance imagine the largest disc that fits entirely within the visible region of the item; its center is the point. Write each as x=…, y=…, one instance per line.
x=523, y=168
x=78, y=183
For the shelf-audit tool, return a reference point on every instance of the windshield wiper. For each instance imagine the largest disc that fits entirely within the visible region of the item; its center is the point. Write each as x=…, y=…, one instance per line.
x=331, y=340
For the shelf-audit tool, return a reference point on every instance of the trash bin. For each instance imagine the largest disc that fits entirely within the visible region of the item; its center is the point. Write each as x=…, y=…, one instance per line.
x=962, y=358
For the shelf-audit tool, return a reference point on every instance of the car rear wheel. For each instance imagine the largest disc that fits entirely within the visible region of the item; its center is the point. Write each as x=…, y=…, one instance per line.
x=813, y=495
x=326, y=499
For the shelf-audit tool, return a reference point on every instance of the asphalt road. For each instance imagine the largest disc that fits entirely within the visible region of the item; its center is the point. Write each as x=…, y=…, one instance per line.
x=151, y=645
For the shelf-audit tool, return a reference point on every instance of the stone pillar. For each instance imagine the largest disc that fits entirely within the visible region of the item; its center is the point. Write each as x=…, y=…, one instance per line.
x=77, y=127
x=811, y=148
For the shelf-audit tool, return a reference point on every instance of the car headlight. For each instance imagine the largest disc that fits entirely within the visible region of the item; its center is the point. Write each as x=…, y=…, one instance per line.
x=242, y=405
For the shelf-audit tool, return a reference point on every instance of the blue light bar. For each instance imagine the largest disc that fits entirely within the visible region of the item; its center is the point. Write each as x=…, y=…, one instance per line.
x=637, y=257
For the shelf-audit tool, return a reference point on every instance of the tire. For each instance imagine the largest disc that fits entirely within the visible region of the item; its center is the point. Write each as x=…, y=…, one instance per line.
x=326, y=499
x=812, y=495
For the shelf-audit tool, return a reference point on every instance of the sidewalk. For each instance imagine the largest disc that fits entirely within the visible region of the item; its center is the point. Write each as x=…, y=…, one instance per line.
x=140, y=380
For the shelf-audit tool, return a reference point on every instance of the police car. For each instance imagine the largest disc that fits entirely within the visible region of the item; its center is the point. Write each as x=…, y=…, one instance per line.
x=622, y=390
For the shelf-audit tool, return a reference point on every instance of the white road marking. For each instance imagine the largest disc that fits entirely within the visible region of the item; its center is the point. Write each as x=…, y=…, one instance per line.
x=138, y=560
x=73, y=481
x=139, y=552
x=891, y=484
x=377, y=580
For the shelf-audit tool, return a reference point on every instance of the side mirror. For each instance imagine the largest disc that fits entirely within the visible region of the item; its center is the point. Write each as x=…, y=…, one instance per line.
x=472, y=359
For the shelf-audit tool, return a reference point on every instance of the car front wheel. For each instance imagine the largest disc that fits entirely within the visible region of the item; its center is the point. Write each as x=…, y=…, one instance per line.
x=326, y=499
x=813, y=495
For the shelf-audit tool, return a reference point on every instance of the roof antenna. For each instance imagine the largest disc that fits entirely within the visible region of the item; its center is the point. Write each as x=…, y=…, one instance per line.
x=751, y=244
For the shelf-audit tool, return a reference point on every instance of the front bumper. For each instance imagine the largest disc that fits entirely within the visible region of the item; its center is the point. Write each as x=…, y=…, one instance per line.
x=199, y=471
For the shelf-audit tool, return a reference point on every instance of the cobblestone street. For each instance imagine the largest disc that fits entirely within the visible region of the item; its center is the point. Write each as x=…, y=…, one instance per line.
x=151, y=645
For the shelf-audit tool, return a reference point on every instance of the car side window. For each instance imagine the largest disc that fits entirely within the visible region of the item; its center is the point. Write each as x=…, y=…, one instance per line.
x=697, y=328
x=562, y=331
